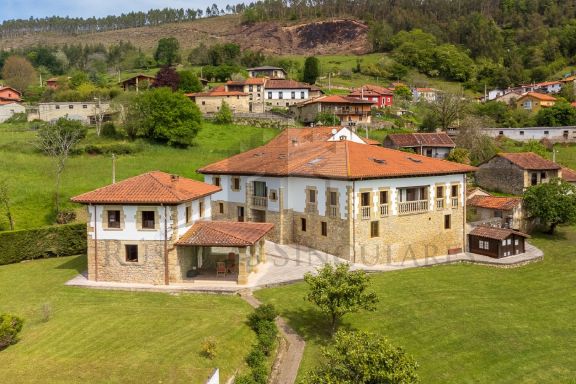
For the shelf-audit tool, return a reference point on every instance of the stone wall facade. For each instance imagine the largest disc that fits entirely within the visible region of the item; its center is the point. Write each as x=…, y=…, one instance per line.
x=499, y=174
x=212, y=104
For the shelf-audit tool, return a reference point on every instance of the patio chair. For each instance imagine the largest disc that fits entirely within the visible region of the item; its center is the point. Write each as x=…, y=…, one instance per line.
x=220, y=268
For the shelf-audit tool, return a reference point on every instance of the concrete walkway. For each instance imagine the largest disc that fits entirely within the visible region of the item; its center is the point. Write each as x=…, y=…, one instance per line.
x=289, y=263
x=290, y=350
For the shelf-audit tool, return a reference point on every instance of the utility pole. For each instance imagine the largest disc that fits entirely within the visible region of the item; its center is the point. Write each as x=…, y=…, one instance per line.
x=113, y=168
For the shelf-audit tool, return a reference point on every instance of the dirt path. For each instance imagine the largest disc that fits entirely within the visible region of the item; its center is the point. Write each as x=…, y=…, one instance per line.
x=290, y=350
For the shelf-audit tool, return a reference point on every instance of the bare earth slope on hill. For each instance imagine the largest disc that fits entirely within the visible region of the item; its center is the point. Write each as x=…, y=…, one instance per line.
x=334, y=36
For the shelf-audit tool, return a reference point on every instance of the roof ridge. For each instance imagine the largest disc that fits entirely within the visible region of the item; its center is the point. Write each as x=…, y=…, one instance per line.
x=170, y=188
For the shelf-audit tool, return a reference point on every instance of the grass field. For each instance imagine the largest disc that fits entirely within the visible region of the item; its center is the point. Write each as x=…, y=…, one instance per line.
x=467, y=323
x=31, y=175
x=98, y=336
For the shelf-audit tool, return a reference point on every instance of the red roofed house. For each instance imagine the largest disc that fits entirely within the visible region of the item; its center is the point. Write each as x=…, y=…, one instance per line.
x=436, y=145
x=347, y=109
x=383, y=97
x=155, y=229
x=210, y=101
x=533, y=101
x=9, y=95
x=254, y=87
x=569, y=175
x=284, y=93
x=506, y=212
x=514, y=172
x=360, y=202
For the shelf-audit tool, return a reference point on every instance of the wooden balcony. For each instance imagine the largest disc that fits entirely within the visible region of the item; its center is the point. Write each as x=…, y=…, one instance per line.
x=440, y=204
x=454, y=202
x=408, y=207
x=366, y=213
x=260, y=201
x=383, y=210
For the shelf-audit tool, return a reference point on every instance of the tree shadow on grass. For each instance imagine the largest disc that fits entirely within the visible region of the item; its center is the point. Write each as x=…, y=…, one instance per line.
x=314, y=326
x=77, y=263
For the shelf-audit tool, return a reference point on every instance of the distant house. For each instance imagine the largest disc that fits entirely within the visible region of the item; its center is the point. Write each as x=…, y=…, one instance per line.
x=505, y=211
x=533, y=101
x=55, y=83
x=436, y=145
x=267, y=71
x=210, y=101
x=425, y=94
x=137, y=82
x=348, y=109
x=297, y=136
x=284, y=93
x=475, y=191
x=496, y=242
x=508, y=97
x=569, y=175
x=254, y=87
x=87, y=112
x=544, y=87
x=9, y=95
x=383, y=97
x=514, y=172
x=554, y=134
x=9, y=109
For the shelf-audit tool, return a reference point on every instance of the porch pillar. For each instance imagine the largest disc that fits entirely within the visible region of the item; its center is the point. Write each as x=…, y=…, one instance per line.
x=262, y=252
x=242, y=266
x=253, y=259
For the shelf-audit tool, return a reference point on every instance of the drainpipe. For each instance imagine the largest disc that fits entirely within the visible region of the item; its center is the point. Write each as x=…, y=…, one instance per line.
x=166, y=269
x=464, y=213
x=95, y=247
x=354, y=219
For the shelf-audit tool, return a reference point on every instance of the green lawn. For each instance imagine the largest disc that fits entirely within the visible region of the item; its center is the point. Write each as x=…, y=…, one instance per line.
x=31, y=175
x=99, y=336
x=467, y=323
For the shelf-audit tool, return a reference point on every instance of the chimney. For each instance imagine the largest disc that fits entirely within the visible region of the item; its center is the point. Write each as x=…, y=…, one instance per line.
x=174, y=178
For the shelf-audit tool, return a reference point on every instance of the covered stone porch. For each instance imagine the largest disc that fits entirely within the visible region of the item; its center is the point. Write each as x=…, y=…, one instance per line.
x=213, y=251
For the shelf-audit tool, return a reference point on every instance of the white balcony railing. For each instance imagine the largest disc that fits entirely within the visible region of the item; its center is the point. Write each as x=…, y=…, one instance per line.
x=440, y=203
x=366, y=213
x=333, y=211
x=383, y=210
x=259, y=201
x=454, y=202
x=407, y=207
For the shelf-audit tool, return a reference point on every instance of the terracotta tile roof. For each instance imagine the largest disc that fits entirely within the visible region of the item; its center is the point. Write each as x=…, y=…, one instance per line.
x=140, y=75
x=286, y=84
x=425, y=90
x=249, y=81
x=495, y=202
x=495, y=232
x=149, y=188
x=374, y=89
x=336, y=99
x=470, y=191
x=218, y=91
x=341, y=160
x=539, y=96
x=265, y=68
x=2, y=89
x=289, y=136
x=529, y=160
x=568, y=175
x=224, y=233
x=440, y=139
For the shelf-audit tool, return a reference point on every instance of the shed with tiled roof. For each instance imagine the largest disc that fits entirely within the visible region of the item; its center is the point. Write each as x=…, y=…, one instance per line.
x=496, y=242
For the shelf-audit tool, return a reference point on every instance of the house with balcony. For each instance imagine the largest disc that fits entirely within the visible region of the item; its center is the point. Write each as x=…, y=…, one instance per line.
x=437, y=144
x=382, y=97
x=156, y=228
x=349, y=110
x=515, y=172
x=360, y=202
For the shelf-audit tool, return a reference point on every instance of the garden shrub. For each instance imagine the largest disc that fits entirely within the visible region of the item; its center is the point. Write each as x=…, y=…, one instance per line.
x=120, y=148
x=255, y=358
x=209, y=347
x=10, y=327
x=109, y=130
x=28, y=244
x=265, y=312
x=267, y=333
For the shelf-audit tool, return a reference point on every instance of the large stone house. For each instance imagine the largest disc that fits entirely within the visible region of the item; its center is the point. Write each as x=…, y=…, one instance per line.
x=361, y=202
x=514, y=172
x=347, y=109
x=210, y=102
x=156, y=228
x=436, y=145
x=254, y=87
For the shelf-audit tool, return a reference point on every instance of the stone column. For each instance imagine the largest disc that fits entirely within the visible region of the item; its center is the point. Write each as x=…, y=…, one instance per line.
x=253, y=259
x=262, y=251
x=242, y=266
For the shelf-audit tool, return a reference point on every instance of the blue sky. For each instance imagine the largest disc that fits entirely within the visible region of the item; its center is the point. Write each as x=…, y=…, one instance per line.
x=23, y=9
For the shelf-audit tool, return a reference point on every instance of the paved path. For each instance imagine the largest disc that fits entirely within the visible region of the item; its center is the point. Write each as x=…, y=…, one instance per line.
x=290, y=351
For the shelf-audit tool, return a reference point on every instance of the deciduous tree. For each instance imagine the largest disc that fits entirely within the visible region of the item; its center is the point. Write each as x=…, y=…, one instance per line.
x=338, y=291
x=167, y=77
x=363, y=358
x=18, y=73
x=224, y=115
x=168, y=51
x=554, y=203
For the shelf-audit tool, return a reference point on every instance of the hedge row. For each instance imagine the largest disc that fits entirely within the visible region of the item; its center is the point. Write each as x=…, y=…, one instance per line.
x=60, y=240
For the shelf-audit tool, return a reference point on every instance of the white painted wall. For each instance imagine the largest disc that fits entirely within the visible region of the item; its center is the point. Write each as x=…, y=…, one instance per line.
x=286, y=94
x=348, y=134
x=533, y=133
x=8, y=110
